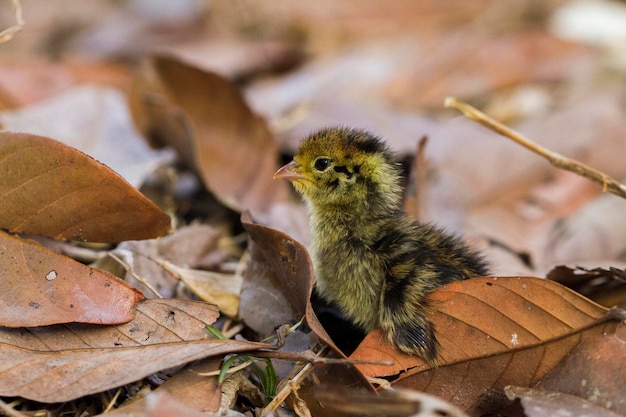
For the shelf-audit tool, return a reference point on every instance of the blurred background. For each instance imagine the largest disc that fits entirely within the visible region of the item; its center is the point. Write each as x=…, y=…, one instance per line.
x=553, y=69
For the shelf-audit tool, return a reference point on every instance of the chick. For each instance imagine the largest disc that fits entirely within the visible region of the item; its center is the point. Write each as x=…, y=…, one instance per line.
x=370, y=259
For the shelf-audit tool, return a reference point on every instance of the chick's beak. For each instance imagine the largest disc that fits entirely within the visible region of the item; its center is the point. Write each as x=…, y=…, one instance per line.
x=289, y=172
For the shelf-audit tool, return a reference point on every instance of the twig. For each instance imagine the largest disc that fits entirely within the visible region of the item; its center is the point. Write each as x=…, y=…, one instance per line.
x=129, y=270
x=9, y=410
x=312, y=358
x=8, y=33
x=608, y=184
x=421, y=171
x=287, y=389
x=230, y=370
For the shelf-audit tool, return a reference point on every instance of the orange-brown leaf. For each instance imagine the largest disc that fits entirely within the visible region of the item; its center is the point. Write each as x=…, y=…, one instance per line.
x=39, y=287
x=51, y=189
x=205, y=118
x=492, y=332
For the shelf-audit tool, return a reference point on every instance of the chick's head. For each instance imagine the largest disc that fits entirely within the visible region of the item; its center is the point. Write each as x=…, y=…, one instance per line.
x=344, y=167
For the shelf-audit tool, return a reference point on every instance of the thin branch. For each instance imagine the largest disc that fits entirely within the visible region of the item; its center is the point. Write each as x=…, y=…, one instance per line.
x=9, y=410
x=608, y=184
x=8, y=33
x=287, y=389
x=310, y=357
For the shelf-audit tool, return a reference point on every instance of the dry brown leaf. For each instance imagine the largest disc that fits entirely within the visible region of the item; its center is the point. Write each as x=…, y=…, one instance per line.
x=51, y=189
x=187, y=246
x=238, y=58
x=524, y=57
x=64, y=362
x=39, y=287
x=186, y=386
x=30, y=80
x=492, y=332
x=216, y=288
x=162, y=404
x=204, y=117
x=605, y=286
x=277, y=287
x=391, y=402
x=278, y=280
x=592, y=372
x=96, y=121
x=542, y=403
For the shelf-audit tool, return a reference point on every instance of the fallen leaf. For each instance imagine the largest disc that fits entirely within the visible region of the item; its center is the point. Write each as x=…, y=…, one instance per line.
x=492, y=332
x=404, y=403
x=464, y=65
x=96, y=121
x=238, y=58
x=64, y=362
x=161, y=404
x=278, y=280
x=277, y=287
x=605, y=286
x=542, y=403
x=590, y=372
x=186, y=246
x=51, y=189
x=216, y=288
x=205, y=118
x=593, y=232
x=40, y=287
x=186, y=386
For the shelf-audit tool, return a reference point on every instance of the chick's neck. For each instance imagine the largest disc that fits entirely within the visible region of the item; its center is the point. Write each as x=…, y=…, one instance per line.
x=359, y=218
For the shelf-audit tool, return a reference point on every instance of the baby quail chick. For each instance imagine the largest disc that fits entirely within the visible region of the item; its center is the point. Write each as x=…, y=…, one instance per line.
x=370, y=259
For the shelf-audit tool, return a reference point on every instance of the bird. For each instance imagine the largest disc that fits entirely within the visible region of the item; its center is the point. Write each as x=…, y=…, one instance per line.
x=370, y=259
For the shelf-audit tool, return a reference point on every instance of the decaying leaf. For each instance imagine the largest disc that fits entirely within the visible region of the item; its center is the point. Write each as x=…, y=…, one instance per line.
x=390, y=402
x=161, y=404
x=39, y=287
x=51, y=189
x=277, y=287
x=214, y=287
x=606, y=286
x=590, y=372
x=493, y=332
x=279, y=277
x=542, y=403
x=187, y=386
x=278, y=280
x=63, y=362
x=95, y=120
x=204, y=117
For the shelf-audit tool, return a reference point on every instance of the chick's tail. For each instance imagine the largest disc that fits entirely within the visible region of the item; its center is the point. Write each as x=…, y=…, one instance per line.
x=408, y=329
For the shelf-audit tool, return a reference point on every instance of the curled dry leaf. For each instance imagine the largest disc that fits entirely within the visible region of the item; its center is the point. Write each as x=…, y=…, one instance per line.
x=605, y=286
x=64, y=362
x=40, y=287
x=205, y=118
x=51, y=189
x=493, y=332
x=278, y=282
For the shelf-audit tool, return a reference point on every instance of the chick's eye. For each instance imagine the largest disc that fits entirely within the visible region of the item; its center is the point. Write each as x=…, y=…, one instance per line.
x=322, y=163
